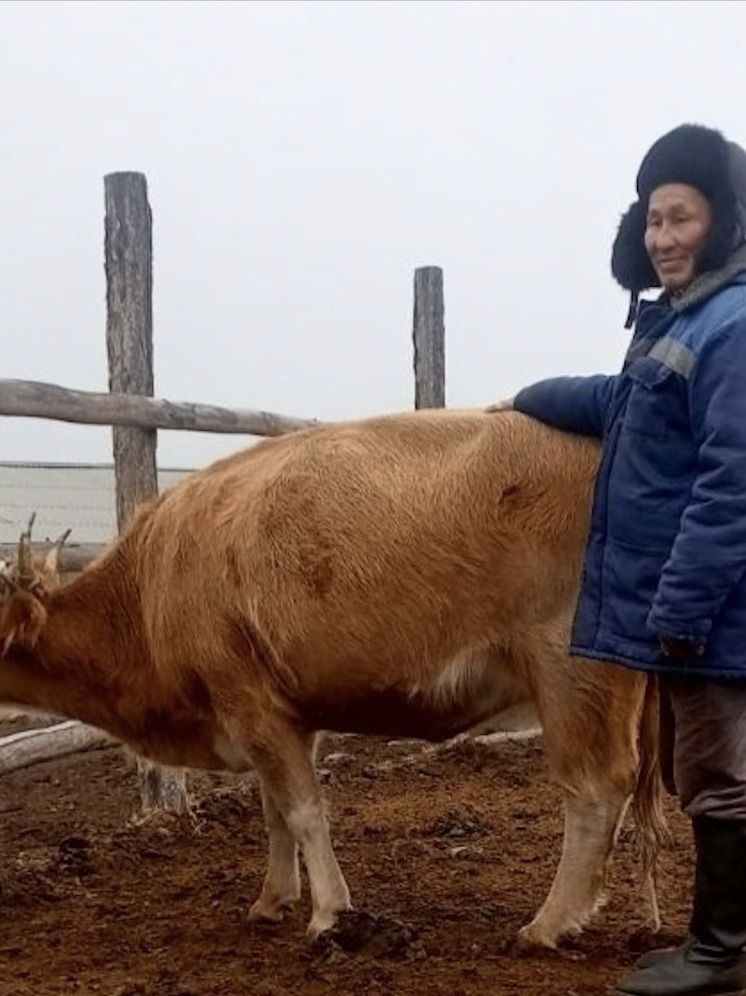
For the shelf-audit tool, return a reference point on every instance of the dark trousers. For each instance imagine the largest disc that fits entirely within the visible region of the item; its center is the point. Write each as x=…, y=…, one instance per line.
x=703, y=744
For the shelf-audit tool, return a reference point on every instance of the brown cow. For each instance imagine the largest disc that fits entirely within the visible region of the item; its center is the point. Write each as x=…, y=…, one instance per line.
x=410, y=576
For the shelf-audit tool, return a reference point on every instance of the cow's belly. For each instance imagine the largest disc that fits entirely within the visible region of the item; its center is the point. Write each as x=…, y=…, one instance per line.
x=460, y=694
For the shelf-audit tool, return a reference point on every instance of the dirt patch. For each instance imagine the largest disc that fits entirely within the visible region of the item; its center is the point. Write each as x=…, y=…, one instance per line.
x=446, y=858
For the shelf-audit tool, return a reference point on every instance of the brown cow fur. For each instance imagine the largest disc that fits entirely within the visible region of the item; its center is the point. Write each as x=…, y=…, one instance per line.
x=410, y=575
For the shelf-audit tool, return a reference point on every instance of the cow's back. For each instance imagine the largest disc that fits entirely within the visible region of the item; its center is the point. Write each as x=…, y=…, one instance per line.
x=379, y=544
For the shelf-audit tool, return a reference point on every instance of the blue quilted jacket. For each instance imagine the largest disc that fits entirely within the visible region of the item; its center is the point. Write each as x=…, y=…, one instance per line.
x=666, y=554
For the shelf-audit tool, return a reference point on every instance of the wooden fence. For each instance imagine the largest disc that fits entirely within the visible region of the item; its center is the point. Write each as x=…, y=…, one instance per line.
x=136, y=416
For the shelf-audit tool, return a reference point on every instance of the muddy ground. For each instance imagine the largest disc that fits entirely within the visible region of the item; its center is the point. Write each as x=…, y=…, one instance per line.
x=449, y=854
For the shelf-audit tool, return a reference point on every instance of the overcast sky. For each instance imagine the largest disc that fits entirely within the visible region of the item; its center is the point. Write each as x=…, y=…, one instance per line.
x=303, y=158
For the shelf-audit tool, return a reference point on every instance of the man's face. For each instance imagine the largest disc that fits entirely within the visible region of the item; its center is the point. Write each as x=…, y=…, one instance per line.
x=679, y=224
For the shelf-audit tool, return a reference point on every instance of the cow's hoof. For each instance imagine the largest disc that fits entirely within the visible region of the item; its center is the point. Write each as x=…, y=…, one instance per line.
x=531, y=941
x=322, y=926
x=269, y=913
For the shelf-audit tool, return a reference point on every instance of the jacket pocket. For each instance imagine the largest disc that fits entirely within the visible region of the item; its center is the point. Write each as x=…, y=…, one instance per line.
x=653, y=406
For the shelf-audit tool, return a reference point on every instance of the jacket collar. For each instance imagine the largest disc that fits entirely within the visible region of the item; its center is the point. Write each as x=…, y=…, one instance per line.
x=708, y=283
x=705, y=285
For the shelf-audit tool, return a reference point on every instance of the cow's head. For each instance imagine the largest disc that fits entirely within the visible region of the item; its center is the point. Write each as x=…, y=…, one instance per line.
x=25, y=584
x=38, y=575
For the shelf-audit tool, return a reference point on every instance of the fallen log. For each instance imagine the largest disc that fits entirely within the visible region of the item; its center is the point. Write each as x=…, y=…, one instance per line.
x=21, y=750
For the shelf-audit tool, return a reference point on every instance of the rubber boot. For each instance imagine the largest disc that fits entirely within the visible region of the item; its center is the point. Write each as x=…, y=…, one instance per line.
x=712, y=962
x=657, y=954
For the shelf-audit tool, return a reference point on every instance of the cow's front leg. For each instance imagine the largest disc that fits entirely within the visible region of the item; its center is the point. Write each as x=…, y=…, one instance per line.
x=297, y=816
x=281, y=888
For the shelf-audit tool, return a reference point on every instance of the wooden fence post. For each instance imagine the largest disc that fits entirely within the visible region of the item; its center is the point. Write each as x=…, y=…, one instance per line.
x=429, y=338
x=129, y=331
x=129, y=343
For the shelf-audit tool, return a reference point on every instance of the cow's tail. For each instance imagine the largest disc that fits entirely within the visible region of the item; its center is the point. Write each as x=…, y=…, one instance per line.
x=647, y=801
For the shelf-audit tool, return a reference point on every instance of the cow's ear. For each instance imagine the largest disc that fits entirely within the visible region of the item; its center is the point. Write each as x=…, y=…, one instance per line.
x=21, y=621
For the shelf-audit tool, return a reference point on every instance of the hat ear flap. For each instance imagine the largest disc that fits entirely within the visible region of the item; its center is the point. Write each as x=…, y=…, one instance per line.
x=630, y=263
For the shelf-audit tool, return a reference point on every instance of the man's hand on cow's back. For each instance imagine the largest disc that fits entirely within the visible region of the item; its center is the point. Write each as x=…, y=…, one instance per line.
x=506, y=405
x=676, y=649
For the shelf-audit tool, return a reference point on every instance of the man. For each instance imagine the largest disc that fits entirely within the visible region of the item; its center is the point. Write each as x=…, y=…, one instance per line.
x=664, y=580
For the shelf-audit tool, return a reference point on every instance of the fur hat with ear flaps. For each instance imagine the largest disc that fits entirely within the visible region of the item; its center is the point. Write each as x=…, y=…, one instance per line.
x=702, y=158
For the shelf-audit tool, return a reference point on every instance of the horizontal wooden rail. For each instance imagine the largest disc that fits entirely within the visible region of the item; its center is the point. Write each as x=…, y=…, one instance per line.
x=34, y=399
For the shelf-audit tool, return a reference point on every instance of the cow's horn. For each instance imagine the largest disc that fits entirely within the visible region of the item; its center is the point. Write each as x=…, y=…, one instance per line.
x=25, y=559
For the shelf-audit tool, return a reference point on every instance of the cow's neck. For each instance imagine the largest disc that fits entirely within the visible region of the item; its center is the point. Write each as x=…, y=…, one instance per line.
x=78, y=666
x=92, y=663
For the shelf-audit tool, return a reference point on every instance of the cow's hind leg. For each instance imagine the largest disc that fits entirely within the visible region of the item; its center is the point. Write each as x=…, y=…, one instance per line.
x=591, y=826
x=590, y=715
